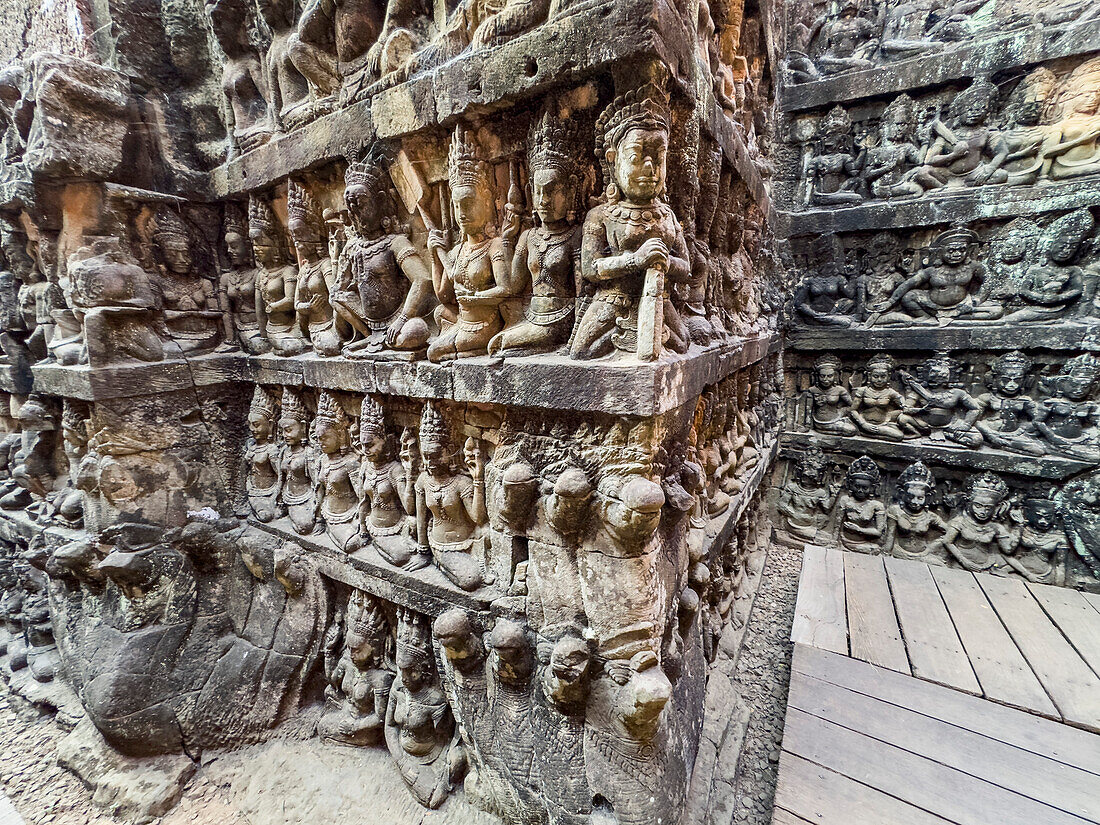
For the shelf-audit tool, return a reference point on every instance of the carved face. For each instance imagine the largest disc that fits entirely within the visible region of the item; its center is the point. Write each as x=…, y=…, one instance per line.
x=434, y=456
x=1076, y=386
x=1040, y=514
x=826, y=376
x=374, y=445
x=236, y=249
x=413, y=675
x=364, y=208
x=860, y=488
x=473, y=207
x=639, y=163
x=1013, y=247
x=1010, y=383
x=260, y=426
x=810, y=475
x=939, y=374
x=954, y=252
x=879, y=376
x=517, y=499
x=553, y=195
x=267, y=254
x=569, y=663
x=895, y=130
x=177, y=257
x=329, y=437
x=1063, y=249
x=1086, y=102
x=293, y=431
x=983, y=504
x=914, y=496
x=362, y=654
x=633, y=525
x=973, y=114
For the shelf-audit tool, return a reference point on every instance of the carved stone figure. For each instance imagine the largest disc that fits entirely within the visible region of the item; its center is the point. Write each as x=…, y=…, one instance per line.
x=827, y=401
x=357, y=696
x=883, y=166
x=860, y=516
x=877, y=405
x=337, y=500
x=238, y=288
x=1068, y=421
x=243, y=83
x=1008, y=415
x=315, y=275
x=845, y=41
x=1052, y=287
x=632, y=244
x=386, y=490
x=333, y=42
x=1041, y=553
x=472, y=280
x=296, y=464
x=276, y=280
x=1025, y=138
x=545, y=260
x=914, y=530
x=977, y=537
x=291, y=105
x=805, y=502
x=831, y=175
x=1073, y=144
x=189, y=297
x=263, y=481
x=936, y=407
x=450, y=506
x=384, y=289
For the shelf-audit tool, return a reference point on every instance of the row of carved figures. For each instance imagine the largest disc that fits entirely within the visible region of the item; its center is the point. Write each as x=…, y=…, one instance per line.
x=1047, y=131
x=938, y=404
x=1022, y=273
x=838, y=36
x=1037, y=533
x=362, y=279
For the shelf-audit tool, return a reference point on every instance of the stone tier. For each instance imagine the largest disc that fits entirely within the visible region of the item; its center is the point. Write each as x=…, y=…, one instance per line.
x=978, y=58
x=1072, y=334
x=944, y=453
x=950, y=207
x=584, y=41
x=627, y=387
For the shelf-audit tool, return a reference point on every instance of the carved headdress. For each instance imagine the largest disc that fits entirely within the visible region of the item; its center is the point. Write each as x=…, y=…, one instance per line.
x=827, y=360
x=433, y=427
x=292, y=408
x=1030, y=95
x=1074, y=227
x=304, y=215
x=235, y=222
x=980, y=91
x=370, y=172
x=371, y=420
x=863, y=467
x=552, y=142
x=1012, y=363
x=989, y=483
x=900, y=110
x=464, y=166
x=1085, y=366
x=74, y=421
x=264, y=404
x=263, y=225
x=884, y=360
x=643, y=108
x=836, y=122
x=955, y=233
x=916, y=473
x=331, y=411
x=813, y=459
x=414, y=644
x=170, y=228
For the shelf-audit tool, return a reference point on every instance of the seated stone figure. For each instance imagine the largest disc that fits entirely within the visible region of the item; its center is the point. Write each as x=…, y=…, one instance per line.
x=876, y=405
x=828, y=295
x=1051, y=288
x=828, y=401
x=883, y=167
x=633, y=243
x=977, y=539
x=832, y=176
x=1024, y=138
x=860, y=517
x=243, y=83
x=332, y=41
x=1073, y=143
x=1069, y=420
x=846, y=41
x=914, y=530
x=936, y=407
x=1008, y=415
x=805, y=501
x=951, y=285
x=965, y=151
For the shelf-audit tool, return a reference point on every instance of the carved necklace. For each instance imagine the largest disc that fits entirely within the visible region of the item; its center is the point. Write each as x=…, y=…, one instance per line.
x=367, y=249
x=636, y=215
x=544, y=241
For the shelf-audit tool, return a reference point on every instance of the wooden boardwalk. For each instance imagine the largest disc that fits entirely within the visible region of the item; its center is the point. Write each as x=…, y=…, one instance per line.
x=918, y=695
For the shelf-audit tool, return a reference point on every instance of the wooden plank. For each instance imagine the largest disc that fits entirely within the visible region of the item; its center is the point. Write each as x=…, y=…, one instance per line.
x=872, y=623
x=935, y=652
x=781, y=817
x=951, y=794
x=825, y=797
x=1002, y=671
x=1093, y=599
x=1075, y=617
x=1070, y=683
x=1069, y=789
x=1070, y=746
x=819, y=618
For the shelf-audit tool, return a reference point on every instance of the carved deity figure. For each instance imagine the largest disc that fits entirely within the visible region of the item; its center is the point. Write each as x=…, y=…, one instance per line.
x=276, y=280
x=296, y=469
x=35, y=468
x=472, y=280
x=1068, y=420
x=827, y=401
x=1043, y=546
x=262, y=457
x=1073, y=143
x=1050, y=289
x=238, y=288
x=860, y=519
x=950, y=285
x=903, y=28
x=965, y=151
x=1023, y=137
x=476, y=24
x=544, y=266
x=1013, y=251
x=115, y=305
x=450, y=506
x=937, y=407
x=315, y=275
x=805, y=501
x=420, y=730
x=333, y=41
x=288, y=88
x=882, y=167
x=358, y=691
x=189, y=297
x=632, y=243
x=384, y=289
x=67, y=507
x=243, y=82
x=977, y=537
x=831, y=175
x=877, y=405
x=846, y=41
x=511, y=508
x=828, y=294
x=913, y=529
x=1008, y=414
x=386, y=491
x=337, y=499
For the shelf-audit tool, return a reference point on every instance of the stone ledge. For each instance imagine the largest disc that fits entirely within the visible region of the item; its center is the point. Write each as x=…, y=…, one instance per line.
x=585, y=40
x=941, y=453
x=956, y=206
x=553, y=381
x=1071, y=335
x=980, y=58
